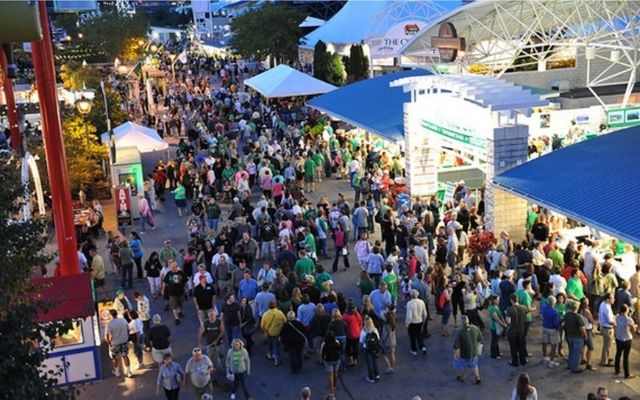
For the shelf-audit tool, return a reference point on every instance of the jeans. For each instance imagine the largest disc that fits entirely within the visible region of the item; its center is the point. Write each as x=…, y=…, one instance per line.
x=323, y=247
x=517, y=346
x=295, y=358
x=337, y=258
x=352, y=348
x=238, y=379
x=154, y=285
x=127, y=275
x=575, y=348
x=138, y=261
x=172, y=394
x=273, y=343
x=495, y=344
x=146, y=330
x=622, y=349
x=213, y=224
x=372, y=365
x=376, y=278
x=233, y=333
x=137, y=342
x=415, y=336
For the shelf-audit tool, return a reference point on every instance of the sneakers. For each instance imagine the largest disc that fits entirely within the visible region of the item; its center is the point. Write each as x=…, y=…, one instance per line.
x=140, y=366
x=378, y=377
x=389, y=371
x=116, y=372
x=552, y=364
x=129, y=374
x=424, y=351
x=233, y=396
x=370, y=380
x=177, y=322
x=414, y=353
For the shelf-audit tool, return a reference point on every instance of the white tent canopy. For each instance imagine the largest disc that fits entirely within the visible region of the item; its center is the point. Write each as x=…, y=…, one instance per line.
x=284, y=81
x=311, y=22
x=131, y=134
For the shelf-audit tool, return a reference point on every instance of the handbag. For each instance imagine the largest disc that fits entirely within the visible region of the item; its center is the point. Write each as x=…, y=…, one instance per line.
x=499, y=329
x=479, y=348
x=345, y=251
x=230, y=376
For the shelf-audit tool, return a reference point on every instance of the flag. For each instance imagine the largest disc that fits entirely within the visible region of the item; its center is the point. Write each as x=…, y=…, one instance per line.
x=116, y=62
x=183, y=56
x=138, y=70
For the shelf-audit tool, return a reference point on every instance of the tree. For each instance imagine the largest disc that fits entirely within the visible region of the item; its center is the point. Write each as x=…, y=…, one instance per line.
x=321, y=61
x=74, y=76
x=98, y=118
x=358, y=67
x=21, y=340
x=270, y=30
x=84, y=155
x=336, y=70
x=113, y=32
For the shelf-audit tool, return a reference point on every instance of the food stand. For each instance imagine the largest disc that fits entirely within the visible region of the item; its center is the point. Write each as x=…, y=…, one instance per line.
x=126, y=173
x=77, y=351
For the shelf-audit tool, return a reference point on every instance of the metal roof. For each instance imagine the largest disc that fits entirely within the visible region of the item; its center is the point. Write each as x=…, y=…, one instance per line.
x=593, y=182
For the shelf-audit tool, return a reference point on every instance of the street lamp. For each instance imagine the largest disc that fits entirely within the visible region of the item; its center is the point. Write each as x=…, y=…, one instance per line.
x=123, y=69
x=154, y=48
x=84, y=105
x=80, y=35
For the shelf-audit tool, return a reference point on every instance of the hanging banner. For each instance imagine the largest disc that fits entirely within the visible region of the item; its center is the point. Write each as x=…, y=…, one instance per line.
x=123, y=205
x=397, y=36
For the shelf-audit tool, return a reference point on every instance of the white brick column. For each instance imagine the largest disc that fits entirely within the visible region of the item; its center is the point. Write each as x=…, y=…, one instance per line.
x=506, y=148
x=420, y=155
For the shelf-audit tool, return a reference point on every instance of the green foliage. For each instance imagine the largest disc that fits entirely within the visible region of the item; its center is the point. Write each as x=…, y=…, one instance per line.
x=336, y=70
x=358, y=67
x=84, y=154
x=22, y=247
x=114, y=33
x=167, y=18
x=73, y=75
x=98, y=118
x=321, y=61
x=269, y=30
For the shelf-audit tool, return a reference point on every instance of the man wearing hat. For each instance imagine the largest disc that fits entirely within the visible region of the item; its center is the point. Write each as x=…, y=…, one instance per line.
x=199, y=369
x=204, y=298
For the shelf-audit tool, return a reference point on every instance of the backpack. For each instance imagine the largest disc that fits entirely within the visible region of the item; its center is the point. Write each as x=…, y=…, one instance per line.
x=372, y=343
x=331, y=351
x=442, y=300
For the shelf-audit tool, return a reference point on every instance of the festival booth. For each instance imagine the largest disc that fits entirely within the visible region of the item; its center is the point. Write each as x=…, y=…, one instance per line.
x=590, y=183
x=76, y=352
x=127, y=177
x=284, y=81
x=477, y=118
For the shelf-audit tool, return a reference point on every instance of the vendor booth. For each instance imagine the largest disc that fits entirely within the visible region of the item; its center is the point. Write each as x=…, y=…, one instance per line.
x=77, y=351
x=284, y=81
x=590, y=182
x=127, y=176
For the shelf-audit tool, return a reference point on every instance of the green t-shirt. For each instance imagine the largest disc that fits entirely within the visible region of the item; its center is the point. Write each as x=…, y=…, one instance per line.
x=494, y=310
x=180, y=193
x=228, y=173
x=321, y=278
x=558, y=259
x=562, y=310
x=574, y=288
x=392, y=285
x=525, y=300
x=572, y=324
x=318, y=159
x=304, y=266
x=466, y=339
x=366, y=286
x=531, y=219
x=213, y=211
x=309, y=167
x=310, y=240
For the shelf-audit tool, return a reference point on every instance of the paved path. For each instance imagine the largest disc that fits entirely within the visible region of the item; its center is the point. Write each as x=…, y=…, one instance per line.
x=431, y=377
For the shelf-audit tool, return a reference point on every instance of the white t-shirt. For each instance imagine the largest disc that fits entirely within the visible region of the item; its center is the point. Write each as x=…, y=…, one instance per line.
x=558, y=283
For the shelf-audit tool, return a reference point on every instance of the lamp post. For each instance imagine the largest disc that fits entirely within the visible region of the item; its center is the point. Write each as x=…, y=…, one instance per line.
x=84, y=105
x=112, y=145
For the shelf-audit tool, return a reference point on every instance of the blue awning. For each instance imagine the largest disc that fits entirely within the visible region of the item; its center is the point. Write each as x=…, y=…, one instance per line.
x=595, y=182
x=370, y=104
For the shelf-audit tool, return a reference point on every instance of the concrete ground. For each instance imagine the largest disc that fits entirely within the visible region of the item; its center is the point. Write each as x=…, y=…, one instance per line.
x=430, y=376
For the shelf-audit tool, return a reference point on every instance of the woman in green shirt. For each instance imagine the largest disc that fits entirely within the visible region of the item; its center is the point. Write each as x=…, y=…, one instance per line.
x=180, y=197
x=496, y=326
x=365, y=284
x=238, y=364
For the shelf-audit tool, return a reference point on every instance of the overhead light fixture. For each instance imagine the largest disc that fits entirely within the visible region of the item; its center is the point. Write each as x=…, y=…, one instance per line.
x=590, y=53
x=615, y=56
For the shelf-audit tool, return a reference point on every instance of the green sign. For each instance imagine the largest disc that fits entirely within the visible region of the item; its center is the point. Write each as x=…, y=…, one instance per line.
x=454, y=135
x=622, y=117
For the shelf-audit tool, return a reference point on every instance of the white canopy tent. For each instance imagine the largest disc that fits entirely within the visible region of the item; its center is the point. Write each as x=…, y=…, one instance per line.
x=130, y=134
x=284, y=81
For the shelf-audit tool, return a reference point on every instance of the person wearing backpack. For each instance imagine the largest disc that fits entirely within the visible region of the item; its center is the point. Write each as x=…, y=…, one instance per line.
x=370, y=342
x=331, y=351
x=340, y=242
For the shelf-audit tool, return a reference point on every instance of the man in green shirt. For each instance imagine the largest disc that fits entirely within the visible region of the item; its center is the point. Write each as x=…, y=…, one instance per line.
x=575, y=291
x=309, y=240
x=167, y=252
x=465, y=349
x=576, y=333
x=304, y=265
x=213, y=215
x=526, y=301
x=318, y=159
x=556, y=256
x=392, y=282
x=309, y=167
x=516, y=318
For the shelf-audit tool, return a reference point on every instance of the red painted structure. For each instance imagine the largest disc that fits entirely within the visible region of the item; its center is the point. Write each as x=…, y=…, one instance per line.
x=42, y=55
x=12, y=111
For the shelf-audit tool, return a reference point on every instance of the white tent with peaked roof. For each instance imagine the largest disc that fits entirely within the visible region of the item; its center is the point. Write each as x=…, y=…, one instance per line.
x=284, y=81
x=131, y=134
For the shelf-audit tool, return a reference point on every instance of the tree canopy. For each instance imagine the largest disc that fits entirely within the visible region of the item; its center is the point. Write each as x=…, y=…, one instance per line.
x=114, y=33
x=321, y=61
x=269, y=30
x=21, y=344
x=358, y=67
x=336, y=70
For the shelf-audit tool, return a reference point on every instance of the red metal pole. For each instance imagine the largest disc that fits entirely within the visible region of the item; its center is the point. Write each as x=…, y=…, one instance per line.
x=12, y=111
x=42, y=54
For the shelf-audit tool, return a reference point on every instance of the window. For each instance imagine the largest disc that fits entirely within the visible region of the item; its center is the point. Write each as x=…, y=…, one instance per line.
x=72, y=337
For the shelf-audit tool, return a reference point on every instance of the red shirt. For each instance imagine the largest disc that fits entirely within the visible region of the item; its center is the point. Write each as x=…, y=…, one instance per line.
x=354, y=324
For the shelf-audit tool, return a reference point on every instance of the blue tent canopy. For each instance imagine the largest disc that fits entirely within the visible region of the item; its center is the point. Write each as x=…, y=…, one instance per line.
x=594, y=182
x=370, y=104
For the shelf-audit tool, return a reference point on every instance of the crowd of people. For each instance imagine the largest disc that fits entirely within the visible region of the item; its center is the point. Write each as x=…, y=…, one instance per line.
x=260, y=260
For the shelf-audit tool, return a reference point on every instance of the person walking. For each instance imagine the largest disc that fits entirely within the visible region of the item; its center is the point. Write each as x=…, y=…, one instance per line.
x=126, y=264
x=524, y=390
x=340, y=242
x=415, y=317
x=146, y=215
x=173, y=284
x=331, y=353
x=354, y=327
x=271, y=325
x=370, y=342
x=153, y=267
x=497, y=325
x=138, y=253
x=199, y=368
x=239, y=366
x=516, y=317
x=212, y=331
x=117, y=337
x=625, y=327
x=170, y=375
x=293, y=340
x=575, y=333
x=144, y=312
x=467, y=341
x=180, y=198
x=607, y=323
x=159, y=336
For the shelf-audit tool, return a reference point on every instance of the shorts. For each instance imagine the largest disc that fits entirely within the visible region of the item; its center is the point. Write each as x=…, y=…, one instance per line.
x=308, y=179
x=332, y=366
x=119, y=350
x=175, y=302
x=462, y=363
x=550, y=336
x=588, y=342
x=158, y=354
x=182, y=203
x=202, y=315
